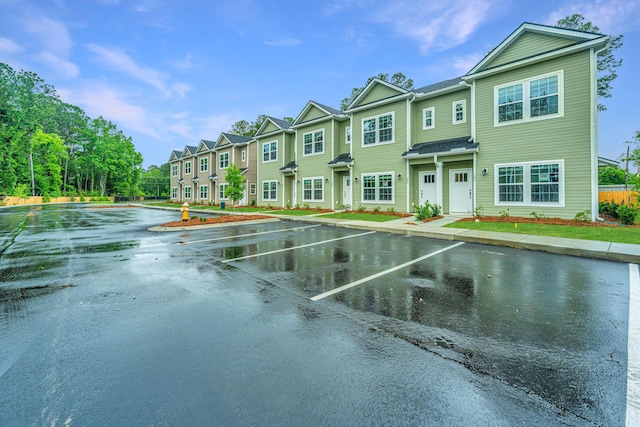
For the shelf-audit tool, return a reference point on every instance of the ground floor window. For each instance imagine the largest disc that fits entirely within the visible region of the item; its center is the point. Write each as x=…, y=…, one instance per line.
x=313, y=189
x=204, y=192
x=269, y=190
x=222, y=188
x=377, y=187
x=539, y=183
x=174, y=192
x=187, y=192
x=252, y=189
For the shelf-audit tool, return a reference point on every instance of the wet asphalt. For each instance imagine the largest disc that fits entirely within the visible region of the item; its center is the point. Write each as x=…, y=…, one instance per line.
x=105, y=323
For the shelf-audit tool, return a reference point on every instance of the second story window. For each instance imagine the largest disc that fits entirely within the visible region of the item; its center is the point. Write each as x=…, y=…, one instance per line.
x=348, y=135
x=224, y=160
x=187, y=167
x=460, y=112
x=313, y=142
x=429, y=118
x=535, y=99
x=174, y=170
x=244, y=155
x=270, y=151
x=204, y=164
x=377, y=130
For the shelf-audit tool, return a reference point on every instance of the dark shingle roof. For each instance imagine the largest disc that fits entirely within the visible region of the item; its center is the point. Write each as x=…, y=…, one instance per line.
x=289, y=167
x=439, y=86
x=209, y=144
x=284, y=124
x=342, y=159
x=191, y=148
x=177, y=153
x=236, y=139
x=213, y=177
x=329, y=109
x=443, y=146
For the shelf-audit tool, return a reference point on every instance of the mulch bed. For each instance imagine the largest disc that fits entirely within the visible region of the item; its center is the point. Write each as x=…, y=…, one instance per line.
x=609, y=221
x=215, y=220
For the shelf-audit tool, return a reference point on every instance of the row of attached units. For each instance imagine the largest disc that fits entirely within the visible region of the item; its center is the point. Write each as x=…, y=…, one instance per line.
x=517, y=134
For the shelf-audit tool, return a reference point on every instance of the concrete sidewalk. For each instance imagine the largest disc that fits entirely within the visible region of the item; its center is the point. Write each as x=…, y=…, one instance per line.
x=624, y=252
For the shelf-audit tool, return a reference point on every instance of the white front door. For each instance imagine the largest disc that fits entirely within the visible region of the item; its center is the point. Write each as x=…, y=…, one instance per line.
x=428, y=188
x=346, y=191
x=460, y=191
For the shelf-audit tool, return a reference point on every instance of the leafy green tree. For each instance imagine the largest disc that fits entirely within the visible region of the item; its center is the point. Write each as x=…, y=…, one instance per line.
x=155, y=181
x=48, y=155
x=398, y=79
x=607, y=62
x=611, y=176
x=21, y=191
x=235, y=189
x=245, y=128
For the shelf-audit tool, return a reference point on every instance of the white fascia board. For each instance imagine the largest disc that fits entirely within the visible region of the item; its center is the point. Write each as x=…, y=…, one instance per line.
x=368, y=88
x=379, y=102
x=539, y=58
x=440, y=154
x=450, y=89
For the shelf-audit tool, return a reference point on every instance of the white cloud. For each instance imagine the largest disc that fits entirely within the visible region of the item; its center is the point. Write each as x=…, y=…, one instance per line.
x=433, y=25
x=53, y=35
x=63, y=67
x=283, y=42
x=9, y=46
x=211, y=126
x=98, y=99
x=611, y=16
x=181, y=89
x=462, y=65
x=119, y=61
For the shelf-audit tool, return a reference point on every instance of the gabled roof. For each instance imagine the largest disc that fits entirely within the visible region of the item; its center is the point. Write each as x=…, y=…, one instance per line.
x=279, y=123
x=445, y=146
x=329, y=112
x=232, y=138
x=189, y=150
x=341, y=160
x=583, y=40
x=206, y=145
x=369, y=87
x=175, y=155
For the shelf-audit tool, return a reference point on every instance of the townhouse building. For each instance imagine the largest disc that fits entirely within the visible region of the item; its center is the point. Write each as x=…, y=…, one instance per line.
x=516, y=134
x=198, y=172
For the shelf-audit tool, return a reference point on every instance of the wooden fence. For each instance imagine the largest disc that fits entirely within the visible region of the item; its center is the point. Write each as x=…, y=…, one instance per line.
x=618, y=196
x=15, y=201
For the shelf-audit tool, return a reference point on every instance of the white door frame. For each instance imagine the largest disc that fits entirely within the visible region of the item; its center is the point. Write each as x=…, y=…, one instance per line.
x=346, y=190
x=466, y=198
x=422, y=197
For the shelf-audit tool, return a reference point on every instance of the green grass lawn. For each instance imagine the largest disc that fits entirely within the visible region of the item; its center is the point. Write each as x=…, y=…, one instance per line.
x=607, y=234
x=293, y=212
x=362, y=216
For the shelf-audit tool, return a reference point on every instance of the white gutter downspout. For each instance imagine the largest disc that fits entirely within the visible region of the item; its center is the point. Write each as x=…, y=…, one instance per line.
x=439, y=181
x=594, y=133
x=409, y=123
x=473, y=138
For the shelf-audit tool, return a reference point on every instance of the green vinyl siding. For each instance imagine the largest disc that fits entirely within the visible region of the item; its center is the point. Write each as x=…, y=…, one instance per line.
x=270, y=127
x=381, y=157
x=289, y=147
x=341, y=139
x=378, y=92
x=270, y=171
x=312, y=114
x=315, y=165
x=444, y=127
x=564, y=138
x=527, y=45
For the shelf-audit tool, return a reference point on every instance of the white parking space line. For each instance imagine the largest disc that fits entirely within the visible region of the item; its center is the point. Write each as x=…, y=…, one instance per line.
x=248, y=235
x=382, y=273
x=298, y=247
x=633, y=352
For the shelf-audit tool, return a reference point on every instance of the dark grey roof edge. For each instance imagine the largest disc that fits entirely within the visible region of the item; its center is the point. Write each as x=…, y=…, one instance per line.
x=441, y=146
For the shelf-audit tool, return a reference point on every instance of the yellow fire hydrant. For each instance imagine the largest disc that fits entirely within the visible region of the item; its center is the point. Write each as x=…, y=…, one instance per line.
x=185, y=211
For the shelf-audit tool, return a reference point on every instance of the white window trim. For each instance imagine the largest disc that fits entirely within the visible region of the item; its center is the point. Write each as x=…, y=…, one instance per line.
x=526, y=171
x=174, y=192
x=377, y=143
x=206, y=164
x=244, y=155
x=220, y=160
x=347, y=136
x=174, y=170
x=189, y=167
x=462, y=102
x=221, y=188
x=313, y=143
x=269, y=144
x=187, y=187
x=270, y=181
x=376, y=174
x=253, y=188
x=433, y=118
x=206, y=188
x=312, y=178
x=526, y=101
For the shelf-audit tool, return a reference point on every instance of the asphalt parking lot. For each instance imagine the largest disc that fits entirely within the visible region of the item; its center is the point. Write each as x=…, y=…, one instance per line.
x=284, y=323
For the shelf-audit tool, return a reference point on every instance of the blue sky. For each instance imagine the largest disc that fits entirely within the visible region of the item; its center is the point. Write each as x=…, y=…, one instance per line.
x=170, y=73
